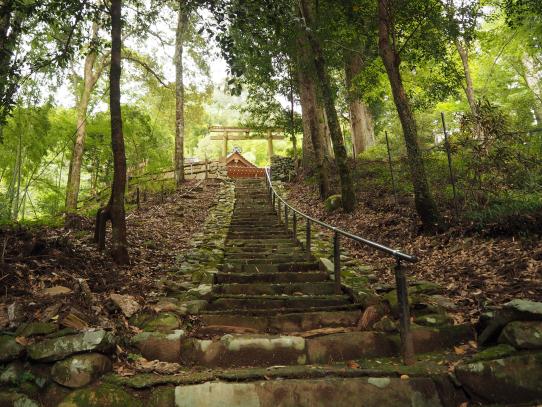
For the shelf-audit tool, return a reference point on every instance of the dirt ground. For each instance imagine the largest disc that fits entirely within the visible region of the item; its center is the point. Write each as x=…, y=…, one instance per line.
x=33, y=259
x=478, y=269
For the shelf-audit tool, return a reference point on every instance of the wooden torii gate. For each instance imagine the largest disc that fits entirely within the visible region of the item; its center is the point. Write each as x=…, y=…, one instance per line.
x=240, y=133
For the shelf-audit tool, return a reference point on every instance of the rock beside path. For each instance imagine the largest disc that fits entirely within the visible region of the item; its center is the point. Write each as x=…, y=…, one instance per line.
x=9, y=348
x=523, y=334
x=80, y=370
x=510, y=380
x=101, y=396
x=126, y=303
x=51, y=350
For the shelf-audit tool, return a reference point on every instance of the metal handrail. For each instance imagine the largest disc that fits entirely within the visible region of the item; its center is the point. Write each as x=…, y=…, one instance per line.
x=407, y=347
x=380, y=247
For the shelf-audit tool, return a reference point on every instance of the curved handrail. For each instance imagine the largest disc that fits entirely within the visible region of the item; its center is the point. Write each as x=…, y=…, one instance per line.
x=398, y=255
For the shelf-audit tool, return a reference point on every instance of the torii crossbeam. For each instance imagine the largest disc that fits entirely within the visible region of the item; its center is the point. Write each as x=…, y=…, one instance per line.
x=241, y=133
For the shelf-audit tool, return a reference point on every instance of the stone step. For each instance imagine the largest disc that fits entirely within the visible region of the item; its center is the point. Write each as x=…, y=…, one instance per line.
x=250, y=251
x=251, y=254
x=326, y=288
x=278, y=277
x=380, y=391
x=261, y=259
x=258, y=243
x=284, y=323
x=276, y=227
x=269, y=268
x=276, y=302
x=255, y=233
x=254, y=215
x=280, y=311
x=271, y=350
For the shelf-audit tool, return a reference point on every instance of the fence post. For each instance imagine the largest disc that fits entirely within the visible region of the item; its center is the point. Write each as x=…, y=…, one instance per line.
x=294, y=226
x=337, y=261
x=308, y=239
x=162, y=194
x=391, y=170
x=450, y=167
x=278, y=202
x=138, y=201
x=407, y=345
x=286, y=217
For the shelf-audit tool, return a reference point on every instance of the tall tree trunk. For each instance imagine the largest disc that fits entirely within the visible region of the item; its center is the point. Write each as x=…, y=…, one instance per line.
x=16, y=183
x=469, y=87
x=533, y=84
x=361, y=120
x=341, y=159
x=182, y=23
x=313, y=140
x=115, y=210
x=324, y=127
x=425, y=205
x=74, y=173
x=10, y=32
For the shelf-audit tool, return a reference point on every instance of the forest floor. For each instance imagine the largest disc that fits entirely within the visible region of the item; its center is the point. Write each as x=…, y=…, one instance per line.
x=477, y=268
x=37, y=258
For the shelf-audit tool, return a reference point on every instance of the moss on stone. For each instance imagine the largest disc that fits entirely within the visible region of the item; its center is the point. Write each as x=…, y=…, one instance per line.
x=494, y=352
x=103, y=395
x=164, y=322
x=162, y=397
x=36, y=328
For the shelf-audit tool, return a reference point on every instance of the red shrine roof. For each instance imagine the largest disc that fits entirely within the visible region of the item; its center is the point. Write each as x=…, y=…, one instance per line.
x=235, y=159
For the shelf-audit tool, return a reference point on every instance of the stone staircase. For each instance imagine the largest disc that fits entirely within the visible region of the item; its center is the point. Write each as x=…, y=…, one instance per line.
x=276, y=331
x=269, y=295
x=274, y=307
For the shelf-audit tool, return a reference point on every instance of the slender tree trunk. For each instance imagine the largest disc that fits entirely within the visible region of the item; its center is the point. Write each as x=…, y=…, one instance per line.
x=341, y=159
x=292, y=121
x=115, y=210
x=324, y=127
x=469, y=87
x=16, y=189
x=182, y=23
x=313, y=140
x=74, y=173
x=533, y=84
x=361, y=120
x=425, y=205
x=10, y=31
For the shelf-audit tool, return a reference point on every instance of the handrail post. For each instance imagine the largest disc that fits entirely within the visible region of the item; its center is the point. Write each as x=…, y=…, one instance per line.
x=294, y=226
x=407, y=345
x=278, y=202
x=337, y=261
x=274, y=200
x=308, y=239
x=286, y=217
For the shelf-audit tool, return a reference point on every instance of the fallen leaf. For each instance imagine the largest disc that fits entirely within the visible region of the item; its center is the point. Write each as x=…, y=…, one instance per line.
x=352, y=364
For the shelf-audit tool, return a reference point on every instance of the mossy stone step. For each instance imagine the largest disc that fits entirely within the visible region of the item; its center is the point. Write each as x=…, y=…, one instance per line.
x=269, y=268
x=270, y=350
x=327, y=288
x=285, y=323
x=324, y=392
x=260, y=244
x=257, y=243
x=279, y=277
x=270, y=259
x=280, y=302
x=260, y=234
x=280, y=311
x=248, y=251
